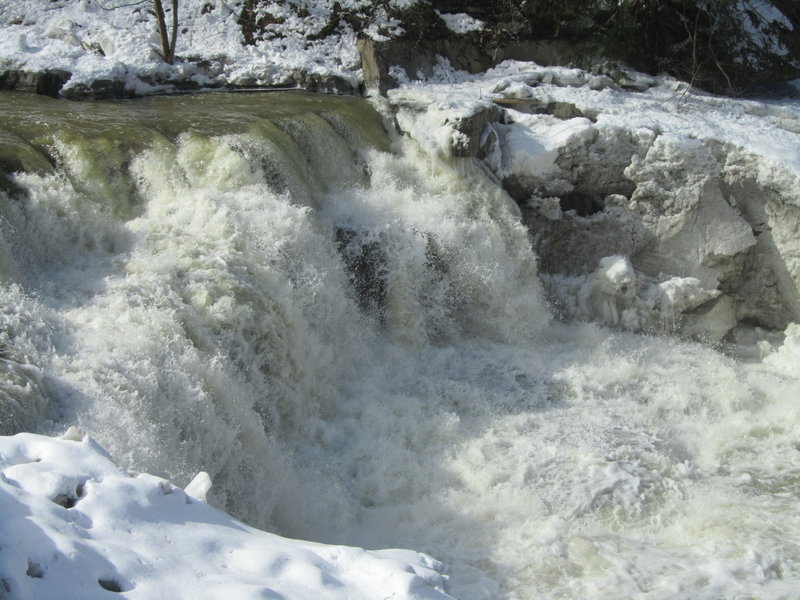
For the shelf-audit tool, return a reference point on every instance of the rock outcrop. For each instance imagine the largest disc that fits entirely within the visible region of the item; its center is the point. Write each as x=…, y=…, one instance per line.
x=418, y=60
x=47, y=83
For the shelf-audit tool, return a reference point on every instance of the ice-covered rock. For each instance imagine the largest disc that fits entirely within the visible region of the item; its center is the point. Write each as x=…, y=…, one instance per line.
x=693, y=231
x=787, y=357
x=618, y=295
x=609, y=292
x=676, y=205
x=199, y=487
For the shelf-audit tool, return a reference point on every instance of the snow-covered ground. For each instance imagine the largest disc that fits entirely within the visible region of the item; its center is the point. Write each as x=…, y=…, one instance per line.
x=74, y=525
x=118, y=40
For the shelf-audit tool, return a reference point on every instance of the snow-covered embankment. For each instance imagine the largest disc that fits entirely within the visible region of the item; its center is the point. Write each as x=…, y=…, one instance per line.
x=75, y=525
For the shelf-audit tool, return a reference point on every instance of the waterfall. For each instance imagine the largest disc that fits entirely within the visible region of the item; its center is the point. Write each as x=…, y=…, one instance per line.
x=197, y=290
x=351, y=339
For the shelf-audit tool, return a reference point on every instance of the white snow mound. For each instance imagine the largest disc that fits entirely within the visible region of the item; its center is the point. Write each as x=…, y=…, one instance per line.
x=72, y=522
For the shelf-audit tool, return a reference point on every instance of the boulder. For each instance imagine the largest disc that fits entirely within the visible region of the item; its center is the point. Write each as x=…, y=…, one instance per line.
x=418, y=57
x=472, y=128
x=47, y=83
x=99, y=89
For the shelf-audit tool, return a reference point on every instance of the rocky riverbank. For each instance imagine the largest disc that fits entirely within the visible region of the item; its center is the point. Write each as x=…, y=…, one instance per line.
x=100, y=50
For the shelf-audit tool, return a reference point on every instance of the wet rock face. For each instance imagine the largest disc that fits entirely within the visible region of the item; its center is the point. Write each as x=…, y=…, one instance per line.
x=365, y=260
x=47, y=83
x=99, y=89
x=417, y=58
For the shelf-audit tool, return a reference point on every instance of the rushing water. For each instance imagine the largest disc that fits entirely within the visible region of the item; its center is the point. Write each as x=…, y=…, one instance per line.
x=352, y=340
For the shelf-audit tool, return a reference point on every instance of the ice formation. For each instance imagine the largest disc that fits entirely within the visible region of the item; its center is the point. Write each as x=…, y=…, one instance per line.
x=685, y=187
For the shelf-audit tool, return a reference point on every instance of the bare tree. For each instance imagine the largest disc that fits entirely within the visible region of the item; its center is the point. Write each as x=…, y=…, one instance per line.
x=167, y=40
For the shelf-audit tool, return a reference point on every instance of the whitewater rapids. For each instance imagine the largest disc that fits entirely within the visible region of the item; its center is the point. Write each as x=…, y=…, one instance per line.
x=351, y=339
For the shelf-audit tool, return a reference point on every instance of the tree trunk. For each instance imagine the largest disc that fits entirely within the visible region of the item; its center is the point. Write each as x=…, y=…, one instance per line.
x=167, y=42
x=174, y=38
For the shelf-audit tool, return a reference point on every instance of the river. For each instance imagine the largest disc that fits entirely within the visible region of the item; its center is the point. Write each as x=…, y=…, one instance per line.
x=351, y=338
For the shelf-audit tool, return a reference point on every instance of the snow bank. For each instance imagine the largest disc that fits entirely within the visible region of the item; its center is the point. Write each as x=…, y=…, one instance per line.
x=117, y=41
x=72, y=522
